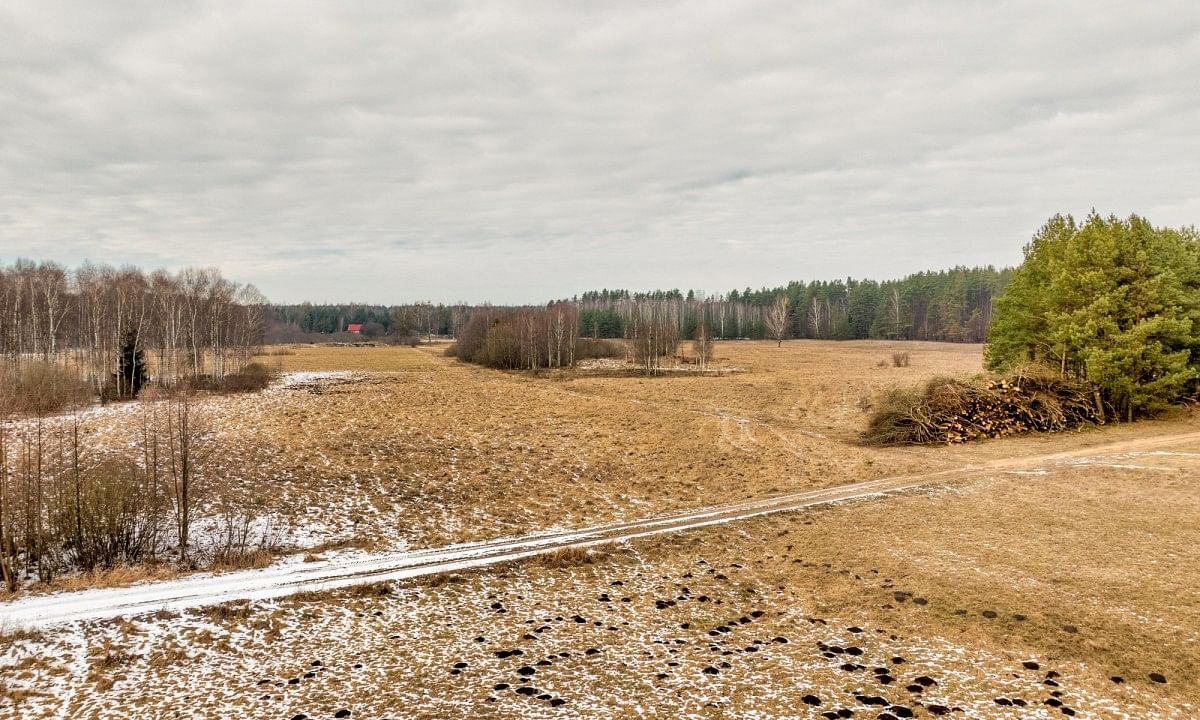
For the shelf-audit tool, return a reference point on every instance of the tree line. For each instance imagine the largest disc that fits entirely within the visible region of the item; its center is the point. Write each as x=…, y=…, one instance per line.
x=305, y=322
x=951, y=305
x=536, y=338
x=191, y=323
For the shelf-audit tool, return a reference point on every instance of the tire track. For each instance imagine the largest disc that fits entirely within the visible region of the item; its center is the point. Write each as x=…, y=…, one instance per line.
x=293, y=575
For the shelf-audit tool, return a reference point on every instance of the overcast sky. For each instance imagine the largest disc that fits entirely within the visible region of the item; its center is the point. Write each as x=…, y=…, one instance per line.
x=521, y=151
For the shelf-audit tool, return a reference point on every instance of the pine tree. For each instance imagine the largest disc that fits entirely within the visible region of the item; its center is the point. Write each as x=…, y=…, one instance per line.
x=131, y=367
x=1114, y=302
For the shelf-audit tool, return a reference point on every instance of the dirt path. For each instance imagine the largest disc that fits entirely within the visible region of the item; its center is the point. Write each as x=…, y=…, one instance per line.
x=294, y=575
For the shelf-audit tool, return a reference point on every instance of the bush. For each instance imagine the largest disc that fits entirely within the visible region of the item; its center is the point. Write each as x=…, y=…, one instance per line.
x=252, y=378
x=41, y=388
x=900, y=359
x=587, y=348
x=490, y=338
x=108, y=525
x=226, y=559
x=573, y=556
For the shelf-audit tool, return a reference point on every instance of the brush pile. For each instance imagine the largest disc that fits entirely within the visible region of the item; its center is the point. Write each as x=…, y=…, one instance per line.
x=951, y=411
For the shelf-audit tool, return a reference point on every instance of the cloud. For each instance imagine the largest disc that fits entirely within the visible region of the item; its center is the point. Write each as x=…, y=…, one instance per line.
x=515, y=152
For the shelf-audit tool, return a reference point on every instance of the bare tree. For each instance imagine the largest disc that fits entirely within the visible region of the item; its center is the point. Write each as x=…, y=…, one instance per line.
x=7, y=546
x=185, y=432
x=654, y=334
x=776, y=318
x=703, y=343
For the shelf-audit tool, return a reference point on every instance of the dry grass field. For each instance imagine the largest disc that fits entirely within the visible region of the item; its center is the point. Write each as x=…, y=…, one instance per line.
x=1088, y=569
x=385, y=447
x=484, y=453
x=1008, y=591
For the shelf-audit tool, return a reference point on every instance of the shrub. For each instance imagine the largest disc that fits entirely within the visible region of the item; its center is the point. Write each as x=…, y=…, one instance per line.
x=106, y=523
x=225, y=612
x=237, y=558
x=381, y=588
x=587, y=348
x=490, y=338
x=526, y=338
x=252, y=378
x=573, y=556
x=41, y=388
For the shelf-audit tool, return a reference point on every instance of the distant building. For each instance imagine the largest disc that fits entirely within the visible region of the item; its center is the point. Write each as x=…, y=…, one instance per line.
x=355, y=328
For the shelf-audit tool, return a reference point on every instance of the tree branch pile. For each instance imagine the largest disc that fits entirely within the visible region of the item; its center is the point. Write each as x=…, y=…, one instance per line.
x=949, y=410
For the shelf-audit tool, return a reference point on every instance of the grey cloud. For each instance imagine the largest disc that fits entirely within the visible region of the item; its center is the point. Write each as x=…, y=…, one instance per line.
x=524, y=150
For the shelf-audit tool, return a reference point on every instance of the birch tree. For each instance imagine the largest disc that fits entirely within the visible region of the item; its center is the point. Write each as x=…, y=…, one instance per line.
x=776, y=318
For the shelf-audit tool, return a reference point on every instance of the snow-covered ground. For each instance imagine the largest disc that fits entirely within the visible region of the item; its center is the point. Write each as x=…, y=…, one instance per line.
x=342, y=569
x=650, y=632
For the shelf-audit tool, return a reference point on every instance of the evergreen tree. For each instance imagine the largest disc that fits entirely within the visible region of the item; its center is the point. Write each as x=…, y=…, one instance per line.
x=1115, y=302
x=131, y=367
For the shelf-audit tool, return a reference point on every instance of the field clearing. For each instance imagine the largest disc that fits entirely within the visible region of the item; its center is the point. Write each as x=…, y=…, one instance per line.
x=1088, y=563
x=387, y=448
x=324, y=358
x=392, y=447
x=1084, y=563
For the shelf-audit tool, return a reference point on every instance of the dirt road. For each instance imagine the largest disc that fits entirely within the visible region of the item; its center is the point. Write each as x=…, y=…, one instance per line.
x=293, y=575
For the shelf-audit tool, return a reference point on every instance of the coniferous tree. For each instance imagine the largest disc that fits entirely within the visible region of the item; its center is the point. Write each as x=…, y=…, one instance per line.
x=1114, y=302
x=131, y=367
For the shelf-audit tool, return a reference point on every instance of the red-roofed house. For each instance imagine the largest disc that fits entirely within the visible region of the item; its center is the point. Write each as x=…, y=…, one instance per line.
x=355, y=328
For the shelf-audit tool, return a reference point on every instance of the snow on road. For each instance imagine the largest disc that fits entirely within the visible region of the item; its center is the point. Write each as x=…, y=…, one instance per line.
x=347, y=569
x=294, y=575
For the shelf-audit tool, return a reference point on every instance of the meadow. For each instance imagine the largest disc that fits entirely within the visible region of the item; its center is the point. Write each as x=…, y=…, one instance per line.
x=1037, y=576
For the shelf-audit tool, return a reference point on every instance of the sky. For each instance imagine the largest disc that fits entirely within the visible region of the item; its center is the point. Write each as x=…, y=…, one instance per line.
x=515, y=152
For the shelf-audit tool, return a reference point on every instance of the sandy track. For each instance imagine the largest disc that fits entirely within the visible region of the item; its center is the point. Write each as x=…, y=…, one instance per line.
x=293, y=575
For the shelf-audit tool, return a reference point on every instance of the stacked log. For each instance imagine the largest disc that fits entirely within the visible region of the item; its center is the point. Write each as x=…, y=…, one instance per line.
x=950, y=410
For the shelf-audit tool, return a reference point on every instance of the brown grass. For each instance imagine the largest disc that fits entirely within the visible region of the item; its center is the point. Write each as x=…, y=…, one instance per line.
x=120, y=576
x=375, y=589
x=15, y=695
x=366, y=359
x=1111, y=551
x=418, y=439
x=248, y=560
x=15, y=634
x=350, y=543
x=573, y=556
x=441, y=434
x=230, y=611
x=106, y=664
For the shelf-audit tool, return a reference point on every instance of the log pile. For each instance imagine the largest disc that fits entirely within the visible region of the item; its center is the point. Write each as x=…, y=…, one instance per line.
x=950, y=411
